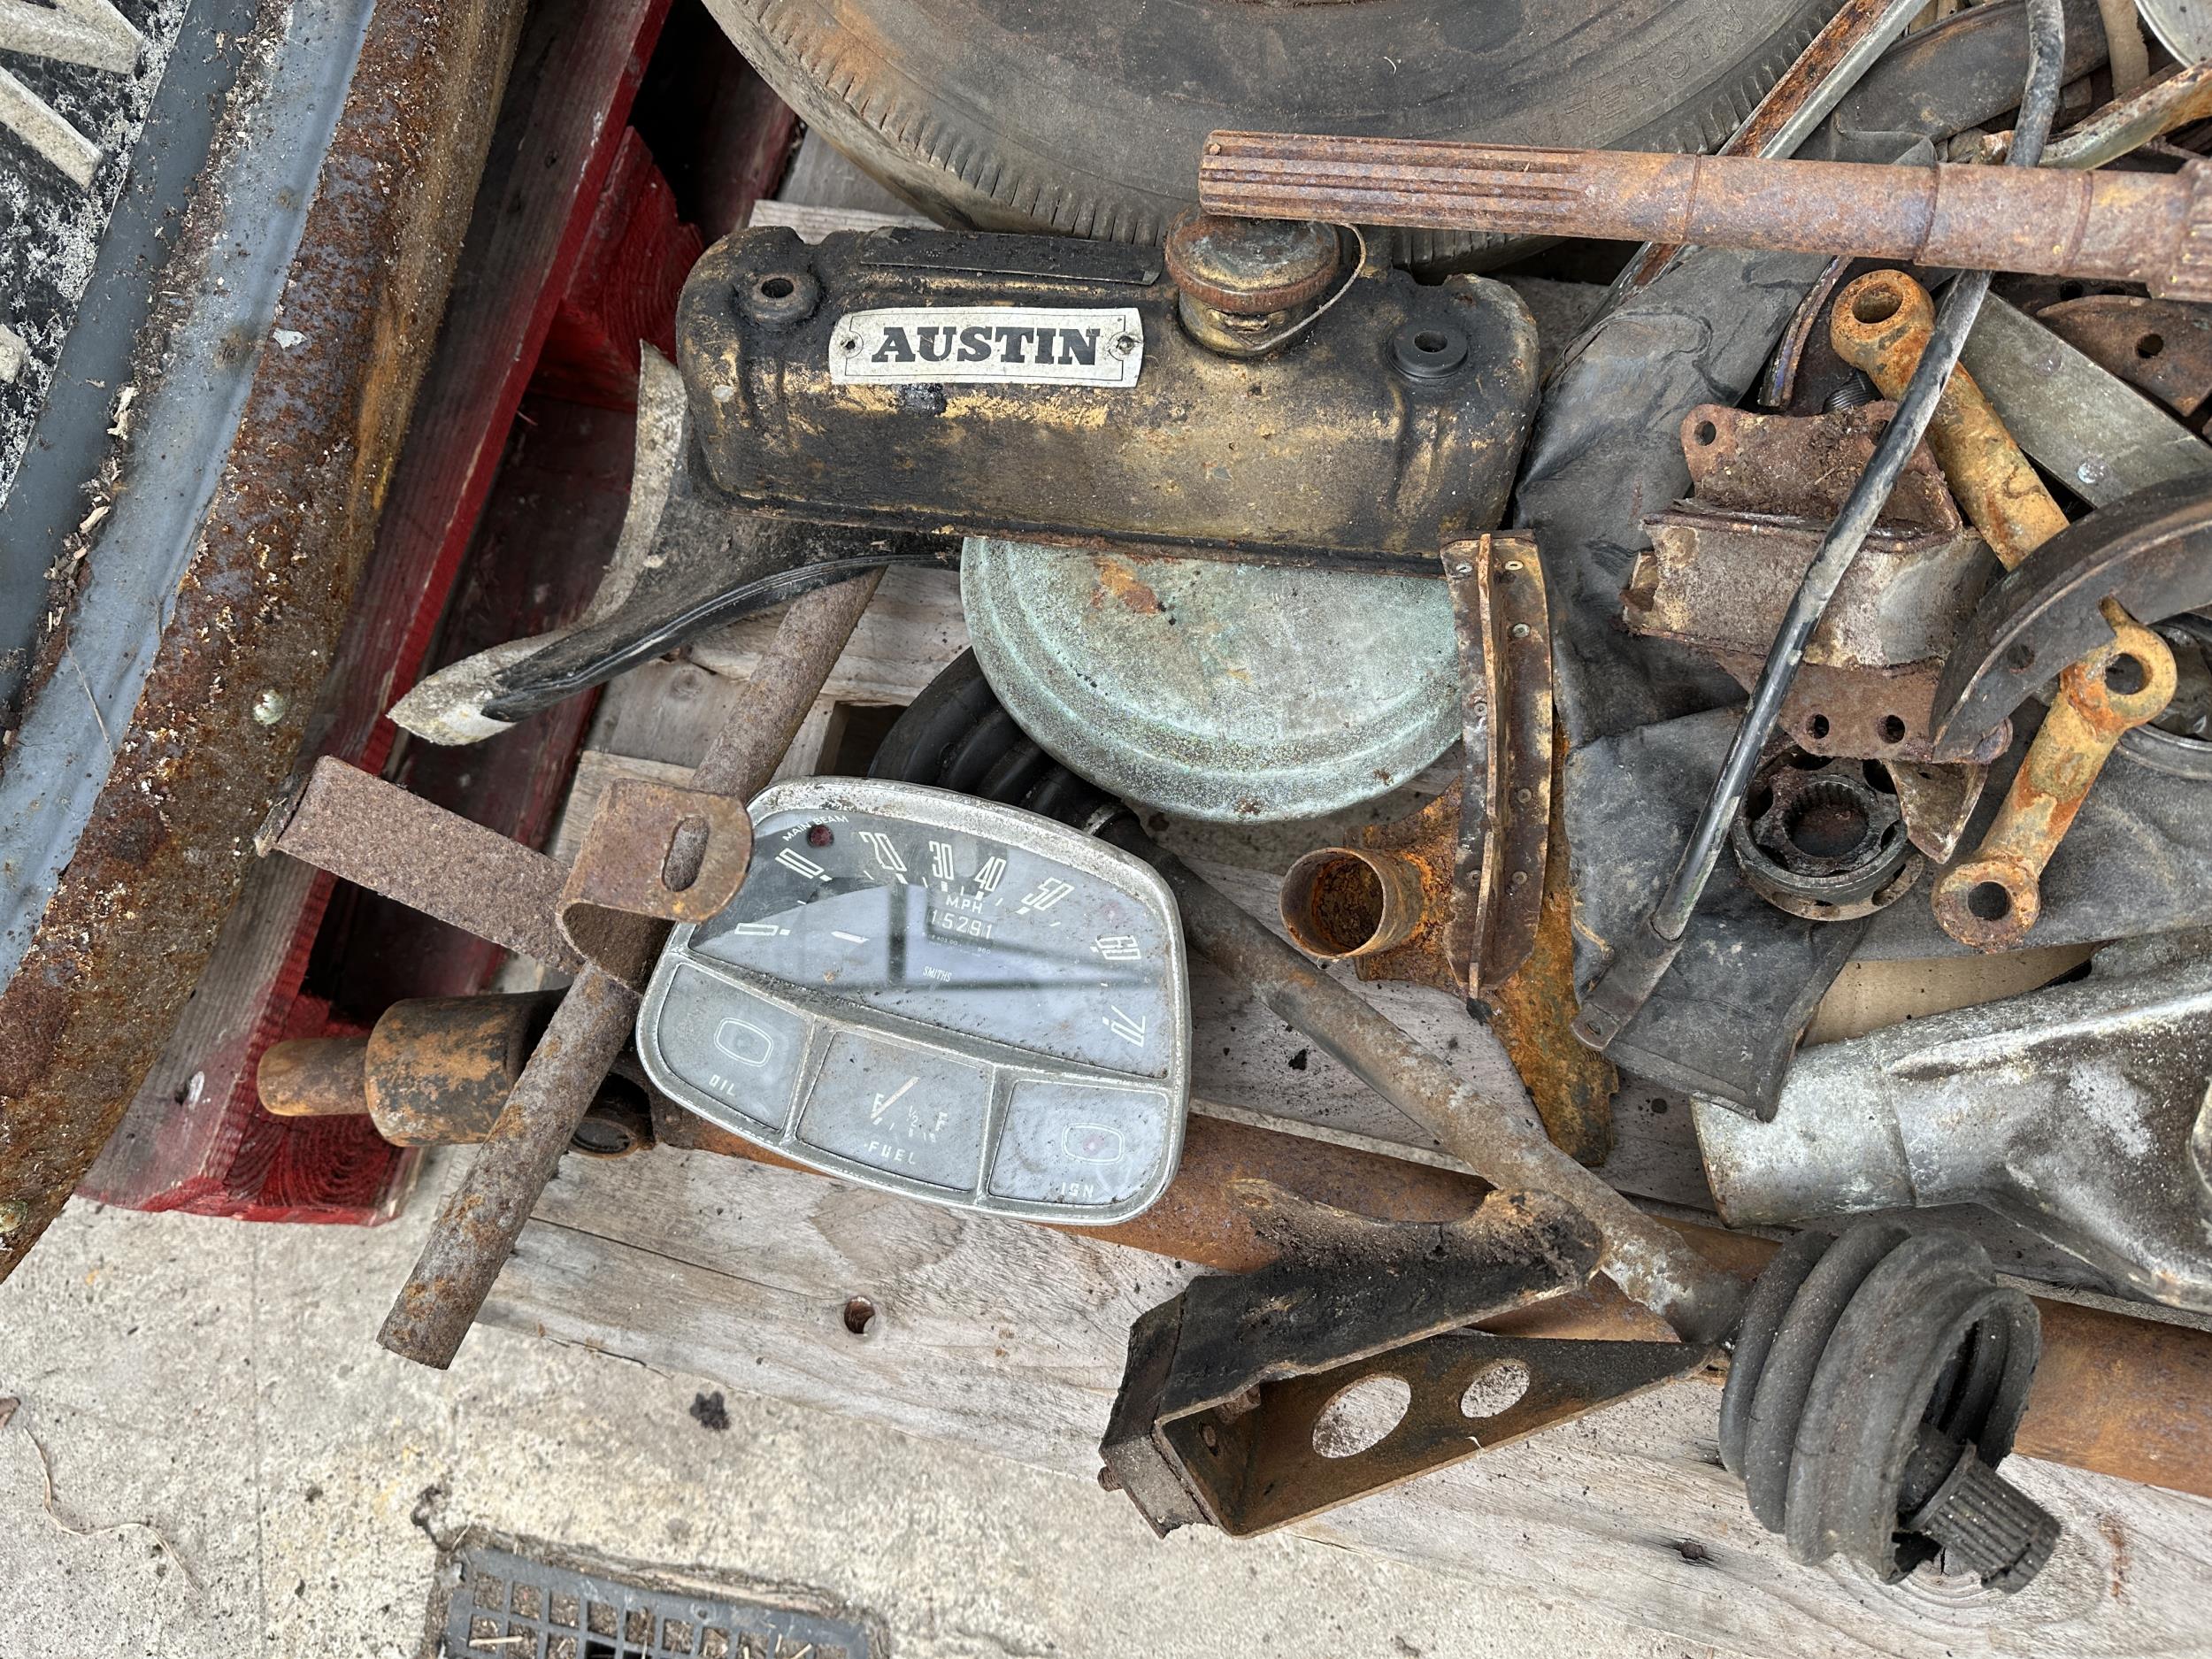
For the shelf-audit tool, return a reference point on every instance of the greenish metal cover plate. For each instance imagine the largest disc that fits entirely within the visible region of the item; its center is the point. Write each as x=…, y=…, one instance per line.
x=1216, y=691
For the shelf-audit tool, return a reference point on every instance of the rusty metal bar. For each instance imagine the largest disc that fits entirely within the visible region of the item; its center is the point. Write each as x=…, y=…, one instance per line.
x=2152, y=228
x=2114, y=1395
x=1833, y=62
x=376, y=834
x=1502, y=1141
x=476, y=1232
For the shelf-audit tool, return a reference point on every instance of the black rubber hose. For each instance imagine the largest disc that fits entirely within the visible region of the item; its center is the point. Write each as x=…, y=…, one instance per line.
x=1645, y=959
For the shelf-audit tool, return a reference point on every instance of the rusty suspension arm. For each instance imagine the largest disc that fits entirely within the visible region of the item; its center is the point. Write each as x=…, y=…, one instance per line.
x=2154, y=228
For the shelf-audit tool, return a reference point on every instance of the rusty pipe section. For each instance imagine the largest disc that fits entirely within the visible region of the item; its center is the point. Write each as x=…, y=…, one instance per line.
x=1882, y=323
x=2154, y=228
x=1339, y=903
x=1991, y=900
x=476, y=1232
x=1502, y=1142
x=434, y=1072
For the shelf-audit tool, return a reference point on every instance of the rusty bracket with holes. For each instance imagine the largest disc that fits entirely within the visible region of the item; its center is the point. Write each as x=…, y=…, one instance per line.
x=1241, y=1404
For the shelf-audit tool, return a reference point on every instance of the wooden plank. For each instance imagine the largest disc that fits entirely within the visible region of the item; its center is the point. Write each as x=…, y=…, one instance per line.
x=1008, y=1339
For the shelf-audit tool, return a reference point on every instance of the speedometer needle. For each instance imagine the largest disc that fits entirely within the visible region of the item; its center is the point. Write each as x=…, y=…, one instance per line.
x=885, y=1103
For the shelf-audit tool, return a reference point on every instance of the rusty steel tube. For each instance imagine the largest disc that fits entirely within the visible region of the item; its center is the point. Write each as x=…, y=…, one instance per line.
x=476, y=1231
x=2154, y=228
x=1502, y=1142
x=1339, y=903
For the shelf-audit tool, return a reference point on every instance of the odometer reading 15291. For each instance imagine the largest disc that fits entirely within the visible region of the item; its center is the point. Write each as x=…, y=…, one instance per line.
x=950, y=998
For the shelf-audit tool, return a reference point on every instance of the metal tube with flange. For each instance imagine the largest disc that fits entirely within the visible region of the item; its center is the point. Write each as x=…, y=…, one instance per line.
x=1502, y=1142
x=476, y=1232
x=2152, y=228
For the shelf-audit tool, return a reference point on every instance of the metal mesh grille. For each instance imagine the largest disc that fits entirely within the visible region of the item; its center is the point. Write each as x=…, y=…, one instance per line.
x=506, y=1606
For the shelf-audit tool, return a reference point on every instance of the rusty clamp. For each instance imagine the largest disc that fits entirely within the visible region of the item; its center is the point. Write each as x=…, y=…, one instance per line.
x=661, y=854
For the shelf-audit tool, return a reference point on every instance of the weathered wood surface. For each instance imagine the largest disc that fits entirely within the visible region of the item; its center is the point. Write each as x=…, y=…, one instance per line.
x=1008, y=1338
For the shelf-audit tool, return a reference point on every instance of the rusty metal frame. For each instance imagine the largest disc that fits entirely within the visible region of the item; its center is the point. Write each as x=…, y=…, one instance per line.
x=123, y=937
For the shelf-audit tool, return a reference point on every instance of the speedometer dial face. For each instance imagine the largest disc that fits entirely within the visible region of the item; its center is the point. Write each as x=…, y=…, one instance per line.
x=948, y=997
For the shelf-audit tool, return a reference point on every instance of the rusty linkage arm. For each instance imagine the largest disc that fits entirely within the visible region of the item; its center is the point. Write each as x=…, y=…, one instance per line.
x=1883, y=323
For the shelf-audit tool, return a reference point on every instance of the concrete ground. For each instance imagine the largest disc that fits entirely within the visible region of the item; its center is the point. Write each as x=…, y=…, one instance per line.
x=238, y=1469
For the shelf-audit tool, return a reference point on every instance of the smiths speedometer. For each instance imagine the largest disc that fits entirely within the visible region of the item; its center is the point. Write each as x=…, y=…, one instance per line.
x=944, y=996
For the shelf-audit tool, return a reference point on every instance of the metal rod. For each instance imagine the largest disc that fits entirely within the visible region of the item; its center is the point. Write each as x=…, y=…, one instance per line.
x=2152, y=228
x=1501, y=1141
x=476, y=1231
x=1835, y=61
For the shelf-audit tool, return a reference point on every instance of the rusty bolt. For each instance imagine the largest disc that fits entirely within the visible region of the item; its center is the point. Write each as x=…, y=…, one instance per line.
x=270, y=707
x=11, y=1217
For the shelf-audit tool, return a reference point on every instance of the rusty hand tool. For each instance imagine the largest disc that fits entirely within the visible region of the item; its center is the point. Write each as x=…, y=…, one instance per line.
x=2154, y=228
x=1883, y=322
